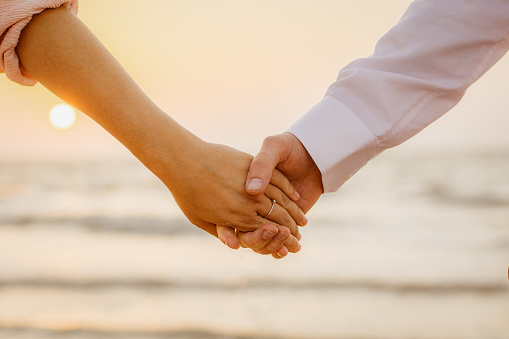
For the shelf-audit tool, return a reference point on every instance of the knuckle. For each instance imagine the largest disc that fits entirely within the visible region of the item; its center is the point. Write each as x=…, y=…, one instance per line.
x=256, y=247
x=247, y=222
x=288, y=221
x=270, y=140
x=261, y=251
x=281, y=238
x=278, y=179
x=261, y=205
x=284, y=200
x=260, y=161
x=248, y=242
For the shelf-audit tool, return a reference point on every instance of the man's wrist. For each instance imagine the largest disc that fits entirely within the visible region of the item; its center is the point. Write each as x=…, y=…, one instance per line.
x=336, y=139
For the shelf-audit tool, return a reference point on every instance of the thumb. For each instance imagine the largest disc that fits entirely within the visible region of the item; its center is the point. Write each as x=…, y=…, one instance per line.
x=228, y=237
x=262, y=166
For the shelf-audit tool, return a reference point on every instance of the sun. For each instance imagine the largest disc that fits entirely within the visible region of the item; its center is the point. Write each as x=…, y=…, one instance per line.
x=62, y=117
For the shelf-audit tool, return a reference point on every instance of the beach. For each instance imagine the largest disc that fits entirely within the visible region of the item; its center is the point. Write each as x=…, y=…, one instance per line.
x=410, y=247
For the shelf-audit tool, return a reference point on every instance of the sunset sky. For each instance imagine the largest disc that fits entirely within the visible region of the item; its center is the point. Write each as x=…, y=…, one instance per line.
x=236, y=71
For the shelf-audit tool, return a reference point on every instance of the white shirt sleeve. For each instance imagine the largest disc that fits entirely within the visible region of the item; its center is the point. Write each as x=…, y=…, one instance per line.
x=418, y=71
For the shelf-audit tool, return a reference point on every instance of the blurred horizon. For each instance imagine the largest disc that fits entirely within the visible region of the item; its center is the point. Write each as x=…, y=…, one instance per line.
x=234, y=72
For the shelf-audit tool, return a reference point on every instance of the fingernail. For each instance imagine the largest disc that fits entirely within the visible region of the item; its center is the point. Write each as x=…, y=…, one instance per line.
x=304, y=221
x=228, y=245
x=267, y=235
x=282, y=237
x=255, y=184
x=297, y=195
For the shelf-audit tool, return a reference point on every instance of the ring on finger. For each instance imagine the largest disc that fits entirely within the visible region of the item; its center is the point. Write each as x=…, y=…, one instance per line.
x=273, y=203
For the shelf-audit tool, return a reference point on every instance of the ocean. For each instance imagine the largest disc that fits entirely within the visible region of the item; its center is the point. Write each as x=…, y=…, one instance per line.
x=411, y=247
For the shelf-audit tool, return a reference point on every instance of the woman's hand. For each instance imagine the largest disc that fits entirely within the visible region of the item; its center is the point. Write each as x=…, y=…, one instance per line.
x=207, y=181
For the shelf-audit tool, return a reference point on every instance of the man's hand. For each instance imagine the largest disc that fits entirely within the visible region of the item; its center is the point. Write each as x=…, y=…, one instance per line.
x=286, y=153
x=268, y=239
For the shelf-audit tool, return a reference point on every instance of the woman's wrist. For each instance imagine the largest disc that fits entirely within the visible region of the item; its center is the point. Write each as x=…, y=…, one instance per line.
x=163, y=146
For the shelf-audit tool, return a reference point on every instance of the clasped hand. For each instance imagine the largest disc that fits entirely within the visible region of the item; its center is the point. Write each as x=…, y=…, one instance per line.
x=210, y=190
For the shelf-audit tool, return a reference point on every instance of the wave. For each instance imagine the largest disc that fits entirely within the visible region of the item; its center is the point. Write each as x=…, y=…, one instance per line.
x=154, y=284
x=108, y=224
x=77, y=333
x=447, y=195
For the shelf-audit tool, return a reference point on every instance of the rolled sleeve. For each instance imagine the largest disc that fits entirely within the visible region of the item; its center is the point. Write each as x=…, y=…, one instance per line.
x=14, y=16
x=337, y=140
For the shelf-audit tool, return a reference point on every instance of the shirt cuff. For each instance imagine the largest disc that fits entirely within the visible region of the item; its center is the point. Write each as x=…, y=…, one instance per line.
x=337, y=140
x=14, y=16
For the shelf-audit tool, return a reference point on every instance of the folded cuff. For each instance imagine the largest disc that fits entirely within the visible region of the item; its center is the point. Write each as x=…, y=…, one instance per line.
x=14, y=16
x=337, y=140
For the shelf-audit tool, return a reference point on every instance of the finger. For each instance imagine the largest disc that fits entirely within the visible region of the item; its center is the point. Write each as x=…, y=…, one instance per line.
x=281, y=253
x=207, y=227
x=282, y=239
x=267, y=243
x=274, y=193
x=262, y=166
x=299, y=237
x=292, y=244
x=258, y=239
x=278, y=215
x=228, y=237
x=279, y=180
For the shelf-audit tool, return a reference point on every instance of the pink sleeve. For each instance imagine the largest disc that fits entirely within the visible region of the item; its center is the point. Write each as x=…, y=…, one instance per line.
x=14, y=16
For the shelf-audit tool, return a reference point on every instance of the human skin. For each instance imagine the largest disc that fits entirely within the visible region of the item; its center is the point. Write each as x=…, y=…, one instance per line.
x=287, y=154
x=207, y=180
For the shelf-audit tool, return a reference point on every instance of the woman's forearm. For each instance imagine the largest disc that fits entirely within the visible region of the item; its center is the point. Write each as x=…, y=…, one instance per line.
x=206, y=180
x=58, y=50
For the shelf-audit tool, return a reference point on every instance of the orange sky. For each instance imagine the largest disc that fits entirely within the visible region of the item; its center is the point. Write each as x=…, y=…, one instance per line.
x=236, y=71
